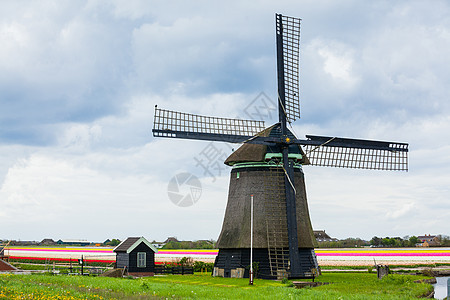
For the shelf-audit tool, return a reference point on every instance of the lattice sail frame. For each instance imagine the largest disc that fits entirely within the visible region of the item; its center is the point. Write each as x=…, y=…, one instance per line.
x=168, y=123
x=289, y=29
x=357, y=154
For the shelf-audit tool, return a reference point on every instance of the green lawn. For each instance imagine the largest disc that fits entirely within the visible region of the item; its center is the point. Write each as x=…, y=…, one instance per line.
x=344, y=286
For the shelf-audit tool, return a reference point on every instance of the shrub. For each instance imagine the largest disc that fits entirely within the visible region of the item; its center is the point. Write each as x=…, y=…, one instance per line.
x=186, y=262
x=200, y=266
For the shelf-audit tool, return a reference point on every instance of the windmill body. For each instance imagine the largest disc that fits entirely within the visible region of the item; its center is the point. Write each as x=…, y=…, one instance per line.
x=269, y=165
x=257, y=170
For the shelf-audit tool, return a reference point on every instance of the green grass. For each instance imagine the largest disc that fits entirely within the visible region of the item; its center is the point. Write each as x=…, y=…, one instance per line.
x=30, y=266
x=344, y=286
x=61, y=268
x=58, y=262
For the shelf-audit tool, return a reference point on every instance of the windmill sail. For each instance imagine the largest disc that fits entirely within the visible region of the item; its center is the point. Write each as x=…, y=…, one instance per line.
x=288, y=44
x=173, y=124
x=354, y=153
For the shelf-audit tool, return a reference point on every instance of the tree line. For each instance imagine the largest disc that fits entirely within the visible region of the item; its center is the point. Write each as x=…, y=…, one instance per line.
x=395, y=242
x=392, y=242
x=203, y=244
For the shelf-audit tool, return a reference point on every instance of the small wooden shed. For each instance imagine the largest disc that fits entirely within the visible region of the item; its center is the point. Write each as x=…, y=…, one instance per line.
x=137, y=255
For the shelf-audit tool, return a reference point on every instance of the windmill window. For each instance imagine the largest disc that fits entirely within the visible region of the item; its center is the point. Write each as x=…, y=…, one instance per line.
x=141, y=259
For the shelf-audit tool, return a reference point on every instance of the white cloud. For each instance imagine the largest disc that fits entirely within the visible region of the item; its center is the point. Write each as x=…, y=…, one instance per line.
x=400, y=211
x=337, y=61
x=67, y=197
x=81, y=136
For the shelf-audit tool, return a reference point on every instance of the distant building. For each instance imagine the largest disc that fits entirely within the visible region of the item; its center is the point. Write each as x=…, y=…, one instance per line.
x=47, y=242
x=210, y=242
x=171, y=239
x=428, y=240
x=73, y=242
x=23, y=243
x=137, y=256
x=322, y=236
x=158, y=245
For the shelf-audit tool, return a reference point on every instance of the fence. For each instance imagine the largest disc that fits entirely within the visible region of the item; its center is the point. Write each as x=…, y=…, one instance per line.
x=174, y=270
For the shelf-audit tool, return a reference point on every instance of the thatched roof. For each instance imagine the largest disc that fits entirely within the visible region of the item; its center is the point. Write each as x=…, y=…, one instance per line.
x=256, y=152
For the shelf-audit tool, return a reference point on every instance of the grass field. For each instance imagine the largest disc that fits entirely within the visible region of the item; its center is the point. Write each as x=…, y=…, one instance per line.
x=343, y=286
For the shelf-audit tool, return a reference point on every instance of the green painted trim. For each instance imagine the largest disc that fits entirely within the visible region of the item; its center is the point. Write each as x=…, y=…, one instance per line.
x=250, y=164
x=295, y=155
x=279, y=155
x=273, y=155
x=259, y=165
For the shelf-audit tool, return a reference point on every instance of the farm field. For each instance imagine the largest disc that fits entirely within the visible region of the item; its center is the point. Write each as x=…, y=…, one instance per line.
x=342, y=286
x=326, y=257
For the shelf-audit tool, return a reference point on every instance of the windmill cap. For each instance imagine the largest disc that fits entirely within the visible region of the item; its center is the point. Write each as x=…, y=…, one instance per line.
x=259, y=153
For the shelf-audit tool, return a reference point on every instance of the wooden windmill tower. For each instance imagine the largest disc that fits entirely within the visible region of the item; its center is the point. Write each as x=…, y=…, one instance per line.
x=269, y=166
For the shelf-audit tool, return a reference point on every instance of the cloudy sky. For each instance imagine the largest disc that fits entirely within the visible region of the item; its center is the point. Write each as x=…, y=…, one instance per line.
x=79, y=81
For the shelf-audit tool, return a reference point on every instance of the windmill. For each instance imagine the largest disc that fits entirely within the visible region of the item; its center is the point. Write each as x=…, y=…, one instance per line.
x=269, y=165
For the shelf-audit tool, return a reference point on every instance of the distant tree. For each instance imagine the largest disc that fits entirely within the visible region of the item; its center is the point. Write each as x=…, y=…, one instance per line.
x=391, y=242
x=330, y=244
x=354, y=242
x=113, y=242
x=345, y=243
x=413, y=241
x=404, y=243
x=202, y=244
x=375, y=241
x=172, y=245
x=444, y=240
x=396, y=242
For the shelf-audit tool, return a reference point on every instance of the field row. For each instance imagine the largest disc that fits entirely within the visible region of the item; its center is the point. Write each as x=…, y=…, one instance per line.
x=360, y=256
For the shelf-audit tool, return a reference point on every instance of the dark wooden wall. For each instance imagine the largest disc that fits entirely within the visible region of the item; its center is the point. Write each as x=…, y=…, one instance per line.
x=122, y=260
x=229, y=259
x=150, y=264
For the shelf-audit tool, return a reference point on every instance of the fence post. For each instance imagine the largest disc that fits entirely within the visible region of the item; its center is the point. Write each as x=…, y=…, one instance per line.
x=448, y=288
x=82, y=264
x=382, y=270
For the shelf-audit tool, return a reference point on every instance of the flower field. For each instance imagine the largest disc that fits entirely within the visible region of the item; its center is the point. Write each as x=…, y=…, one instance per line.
x=353, y=256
